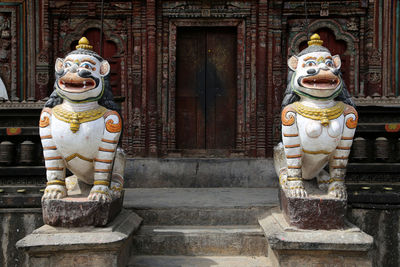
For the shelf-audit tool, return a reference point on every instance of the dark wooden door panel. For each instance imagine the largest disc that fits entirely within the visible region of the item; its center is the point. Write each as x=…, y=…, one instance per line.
x=190, y=100
x=206, y=88
x=190, y=125
x=221, y=88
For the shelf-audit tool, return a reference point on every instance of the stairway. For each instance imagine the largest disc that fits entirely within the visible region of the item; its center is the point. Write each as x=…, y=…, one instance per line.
x=199, y=226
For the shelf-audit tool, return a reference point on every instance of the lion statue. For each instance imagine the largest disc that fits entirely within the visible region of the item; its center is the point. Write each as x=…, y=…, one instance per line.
x=318, y=124
x=80, y=127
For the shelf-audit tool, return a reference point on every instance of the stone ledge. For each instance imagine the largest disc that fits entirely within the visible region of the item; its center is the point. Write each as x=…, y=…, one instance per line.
x=200, y=206
x=289, y=246
x=50, y=238
x=202, y=198
x=199, y=172
x=198, y=261
x=282, y=236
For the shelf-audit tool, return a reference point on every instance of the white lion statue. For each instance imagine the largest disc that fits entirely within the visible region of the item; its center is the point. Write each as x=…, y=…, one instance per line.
x=80, y=127
x=318, y=123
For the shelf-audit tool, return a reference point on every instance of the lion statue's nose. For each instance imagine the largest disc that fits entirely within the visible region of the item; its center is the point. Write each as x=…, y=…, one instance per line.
x=324, y=67
x=73, y=68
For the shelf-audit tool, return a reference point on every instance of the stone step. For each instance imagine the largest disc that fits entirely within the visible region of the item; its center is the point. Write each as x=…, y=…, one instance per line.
x=199, y=172
x=198, y=261
x=200, y=206
x=245, y=240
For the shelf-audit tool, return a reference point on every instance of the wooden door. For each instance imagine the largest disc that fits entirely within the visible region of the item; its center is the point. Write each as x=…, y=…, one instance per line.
x=206, y=88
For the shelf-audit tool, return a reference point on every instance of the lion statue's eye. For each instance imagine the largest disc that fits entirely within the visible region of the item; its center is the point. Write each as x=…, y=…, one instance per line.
x=86, y=66
x=311, y=63
x=67, y=64
x=329, y=63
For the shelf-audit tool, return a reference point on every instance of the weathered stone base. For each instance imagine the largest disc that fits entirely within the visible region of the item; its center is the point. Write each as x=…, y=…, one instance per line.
x=317, y=211
x=289, y=246
x=108, y=246
x=77, y=211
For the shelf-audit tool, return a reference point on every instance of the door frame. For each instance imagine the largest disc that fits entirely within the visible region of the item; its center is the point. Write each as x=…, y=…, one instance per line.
x=169, y=87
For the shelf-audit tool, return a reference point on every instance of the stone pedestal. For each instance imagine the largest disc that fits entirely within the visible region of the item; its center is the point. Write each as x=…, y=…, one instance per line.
x=289, y=246
x=317, y=211
x=108, y=246
x=77, y=211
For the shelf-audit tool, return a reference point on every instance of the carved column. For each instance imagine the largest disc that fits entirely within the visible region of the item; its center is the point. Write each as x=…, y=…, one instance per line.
x=252, y=107
x=374, y=51
x=261, y=76
x=164, y=87
x=278, y=69
x=151, y=78
x=43, y=58
x=136, y=112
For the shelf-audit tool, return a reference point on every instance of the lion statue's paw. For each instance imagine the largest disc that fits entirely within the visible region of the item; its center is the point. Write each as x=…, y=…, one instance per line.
x=100, y=193
x=296, y=189
x=54, y=192
x=337, y=190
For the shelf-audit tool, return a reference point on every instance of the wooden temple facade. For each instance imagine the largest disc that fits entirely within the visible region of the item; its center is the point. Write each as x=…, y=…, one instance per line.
x=203, y=78
x=202, y=81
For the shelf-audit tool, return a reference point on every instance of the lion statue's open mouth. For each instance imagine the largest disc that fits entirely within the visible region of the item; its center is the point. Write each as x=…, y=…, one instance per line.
x=75, y=84
x=324, y=81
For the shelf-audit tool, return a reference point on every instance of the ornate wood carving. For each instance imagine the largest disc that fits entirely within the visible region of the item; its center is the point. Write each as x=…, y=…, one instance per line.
x=204, y=9
x=151, y=79
x=11, y=48
x=6, y=70
x=145, y=33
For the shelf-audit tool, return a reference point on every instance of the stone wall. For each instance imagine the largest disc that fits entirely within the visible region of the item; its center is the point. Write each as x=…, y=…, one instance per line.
x=200, y=172
x=16, y=224
x=384, y=225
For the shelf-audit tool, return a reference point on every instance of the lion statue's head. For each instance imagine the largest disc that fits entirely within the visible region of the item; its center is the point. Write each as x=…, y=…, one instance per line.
x=82, y=76
x=314, y=73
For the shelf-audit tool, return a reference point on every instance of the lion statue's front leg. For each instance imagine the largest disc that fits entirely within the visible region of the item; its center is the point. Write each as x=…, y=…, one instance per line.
x=55, y=165
x=339, y=158
x=292, y=176
x=103, y=162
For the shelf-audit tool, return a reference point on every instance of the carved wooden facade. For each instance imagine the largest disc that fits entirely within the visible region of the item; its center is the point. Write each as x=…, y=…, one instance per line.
x=140, y=41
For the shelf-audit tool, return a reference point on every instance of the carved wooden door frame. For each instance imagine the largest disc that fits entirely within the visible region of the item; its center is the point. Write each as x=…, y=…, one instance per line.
x=170, y=91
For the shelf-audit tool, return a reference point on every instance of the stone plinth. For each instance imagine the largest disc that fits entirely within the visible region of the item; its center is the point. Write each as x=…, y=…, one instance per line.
x=317, y=211
x=77, y=211
x=289, y=246
x=109, y=246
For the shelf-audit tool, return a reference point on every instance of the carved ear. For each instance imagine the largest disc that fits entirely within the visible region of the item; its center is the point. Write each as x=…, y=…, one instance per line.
x=59, y=67
x=292, y=63
x=104, y=68
x=337, y=61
